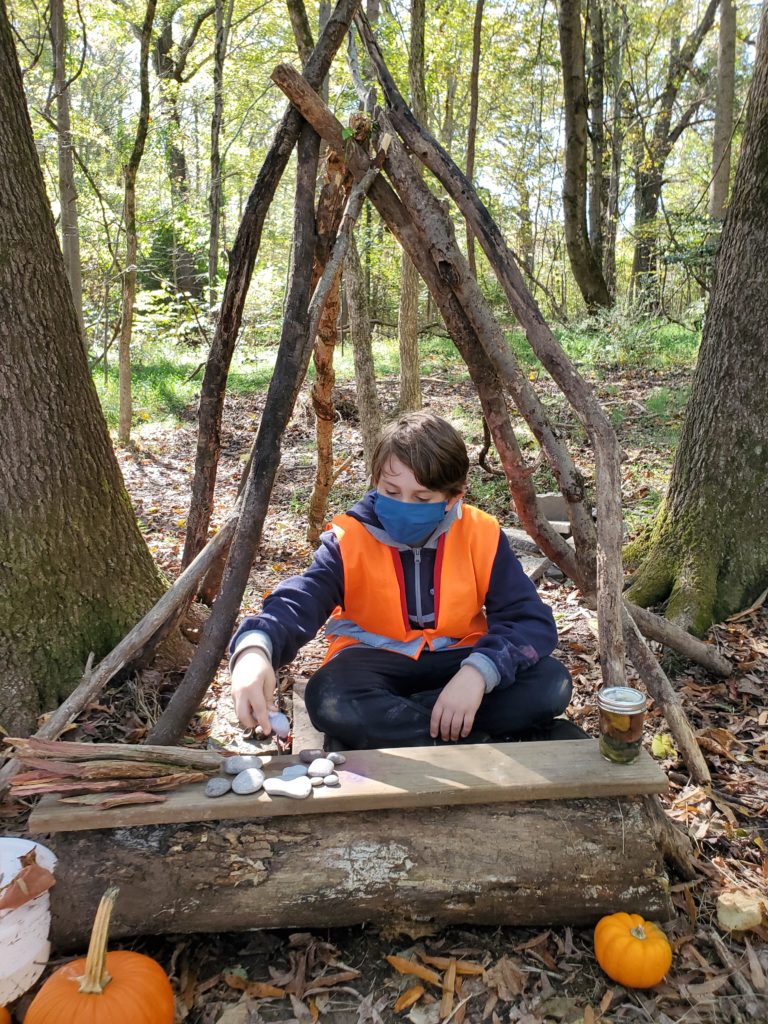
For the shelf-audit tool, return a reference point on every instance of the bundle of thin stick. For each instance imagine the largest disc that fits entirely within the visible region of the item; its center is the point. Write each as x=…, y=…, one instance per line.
x=106, y=774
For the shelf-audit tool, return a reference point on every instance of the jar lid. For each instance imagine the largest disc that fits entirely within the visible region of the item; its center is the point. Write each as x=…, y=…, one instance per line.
x=621, y=699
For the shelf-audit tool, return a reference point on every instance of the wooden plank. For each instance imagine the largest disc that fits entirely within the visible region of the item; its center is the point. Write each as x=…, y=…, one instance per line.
x=394, y=778
x=305, y=735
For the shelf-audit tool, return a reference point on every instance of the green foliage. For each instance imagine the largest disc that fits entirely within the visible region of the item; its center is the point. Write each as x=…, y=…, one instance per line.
x=617, y=338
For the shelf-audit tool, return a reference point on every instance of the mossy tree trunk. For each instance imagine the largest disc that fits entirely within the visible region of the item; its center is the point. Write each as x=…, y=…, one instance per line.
x=709, y=546
x=75, y=572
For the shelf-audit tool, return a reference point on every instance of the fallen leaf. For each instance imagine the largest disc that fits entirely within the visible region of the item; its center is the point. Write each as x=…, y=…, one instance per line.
x=409, y=997
x=662, y=745
x=507, y=978
x=31, y=881
x=404, y=966
x=467, y=967
x=254, y=989
x=755, y=968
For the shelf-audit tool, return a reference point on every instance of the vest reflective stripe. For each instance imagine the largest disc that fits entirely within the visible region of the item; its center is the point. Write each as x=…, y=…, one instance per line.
x=374, y=591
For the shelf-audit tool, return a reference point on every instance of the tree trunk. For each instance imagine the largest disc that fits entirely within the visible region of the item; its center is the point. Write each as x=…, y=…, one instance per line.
x=597, y=180
x=76, y=571
x=721, y=142
x=618, y=29
x=474, y=97
x=709, y=546
x=170, y=74
x=241, y=263
x=70, y=227
x=360, y=334
x=130, y=172
x=408, y=309
x=215, y=196
x=652, y=155
x=329, y=210
x=584, y=264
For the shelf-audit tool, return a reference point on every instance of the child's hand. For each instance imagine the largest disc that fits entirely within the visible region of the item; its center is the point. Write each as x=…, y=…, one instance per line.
x=454, y=712
x=253, y=688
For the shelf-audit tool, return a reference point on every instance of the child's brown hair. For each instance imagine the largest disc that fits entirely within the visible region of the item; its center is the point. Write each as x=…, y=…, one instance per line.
x=429, y=446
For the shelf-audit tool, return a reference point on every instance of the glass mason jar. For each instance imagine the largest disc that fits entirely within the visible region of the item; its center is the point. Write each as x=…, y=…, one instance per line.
x=622, y=713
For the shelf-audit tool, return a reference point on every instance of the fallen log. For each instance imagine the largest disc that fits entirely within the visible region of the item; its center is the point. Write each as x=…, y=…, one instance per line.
x=548, y=862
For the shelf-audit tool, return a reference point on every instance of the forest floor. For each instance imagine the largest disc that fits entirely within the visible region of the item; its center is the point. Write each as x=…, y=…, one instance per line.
x=532, y=975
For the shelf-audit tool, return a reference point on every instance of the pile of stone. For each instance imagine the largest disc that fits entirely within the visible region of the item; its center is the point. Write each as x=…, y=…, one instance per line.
x=244, y=775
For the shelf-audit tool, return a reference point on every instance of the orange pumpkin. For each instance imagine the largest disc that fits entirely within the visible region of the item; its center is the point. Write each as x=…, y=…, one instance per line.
x=105, y=988
x=5, y=1016
x=632, y=951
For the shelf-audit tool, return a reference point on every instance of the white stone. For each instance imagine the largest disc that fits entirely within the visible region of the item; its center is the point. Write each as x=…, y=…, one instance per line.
x=280, y=725
x=298, y=789
x=308, y=756
x=249, y=781
x=737, y=910
x=294, y=771
x=332, y=780
x=336, y=758
x=316, y=781
x=321, y=766
x=240, y=762
x=218, y=786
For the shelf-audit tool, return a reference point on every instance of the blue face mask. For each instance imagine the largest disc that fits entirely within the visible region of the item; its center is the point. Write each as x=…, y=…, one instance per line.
x=408, y=522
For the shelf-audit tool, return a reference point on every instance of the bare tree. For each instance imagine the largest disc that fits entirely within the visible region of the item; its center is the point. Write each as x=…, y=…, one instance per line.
x=223, y=17
x=721, y=142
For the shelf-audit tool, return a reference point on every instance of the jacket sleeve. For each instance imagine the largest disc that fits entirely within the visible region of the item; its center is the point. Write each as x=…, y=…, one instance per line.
x=296, y=609
x=521, y=628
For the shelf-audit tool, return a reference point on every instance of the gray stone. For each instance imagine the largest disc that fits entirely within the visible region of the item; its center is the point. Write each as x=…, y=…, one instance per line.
x=321, y=766
x=308, y=756
x=297, y=789
x=336, y=758
x=241, y=762
x=280, y=725
x=249, y=781
x=294, y=771
x=553, y=505
x=520, y=542
x=332, y=780
x=218, y=786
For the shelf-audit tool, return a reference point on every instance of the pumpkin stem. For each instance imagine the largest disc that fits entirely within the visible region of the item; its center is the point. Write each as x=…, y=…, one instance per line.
x=96, y=977
x=638, y=931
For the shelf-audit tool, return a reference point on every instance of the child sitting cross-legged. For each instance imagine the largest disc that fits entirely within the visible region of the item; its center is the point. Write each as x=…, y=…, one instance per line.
x=436, y=633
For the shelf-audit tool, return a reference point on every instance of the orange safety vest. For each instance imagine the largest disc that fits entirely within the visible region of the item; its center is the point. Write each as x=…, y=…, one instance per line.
x=374, y=586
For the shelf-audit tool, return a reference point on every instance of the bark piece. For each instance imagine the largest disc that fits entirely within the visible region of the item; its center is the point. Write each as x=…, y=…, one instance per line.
x=381, y=867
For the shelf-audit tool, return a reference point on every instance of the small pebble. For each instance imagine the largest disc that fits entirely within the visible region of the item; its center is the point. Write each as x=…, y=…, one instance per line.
x=240, y=762
x=298, y=789
x=280, y=725
x=332, y=780
x=336, y=758
x=308, y=756
x=321, y=766
x=218, y=786
x=294, y=771
x=249, y=781
x=316, y=781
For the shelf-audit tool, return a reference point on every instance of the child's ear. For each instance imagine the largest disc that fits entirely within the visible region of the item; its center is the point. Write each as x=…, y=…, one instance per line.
x=456, y=498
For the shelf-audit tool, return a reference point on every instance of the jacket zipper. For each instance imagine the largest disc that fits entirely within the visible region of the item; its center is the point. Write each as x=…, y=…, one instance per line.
x=417, y=581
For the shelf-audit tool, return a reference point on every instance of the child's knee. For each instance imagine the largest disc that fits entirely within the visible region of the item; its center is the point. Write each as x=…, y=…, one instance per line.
x=326, y=704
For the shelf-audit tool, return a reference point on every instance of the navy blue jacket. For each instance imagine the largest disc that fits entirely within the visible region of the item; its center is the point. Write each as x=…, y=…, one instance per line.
x=521, y=628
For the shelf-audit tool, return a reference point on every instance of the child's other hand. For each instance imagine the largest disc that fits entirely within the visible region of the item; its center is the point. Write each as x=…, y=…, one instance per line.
x=454, y=712
x=253, y=688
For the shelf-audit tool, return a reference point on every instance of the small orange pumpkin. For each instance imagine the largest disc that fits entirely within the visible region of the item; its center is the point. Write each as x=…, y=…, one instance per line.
x=632, y=951
x=105, y=988
x=5, y=1016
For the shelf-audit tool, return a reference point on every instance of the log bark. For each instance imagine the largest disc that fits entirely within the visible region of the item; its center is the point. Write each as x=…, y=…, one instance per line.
x=665, y=632
x=540, y=863
x=474, y=98
x=241, y=263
